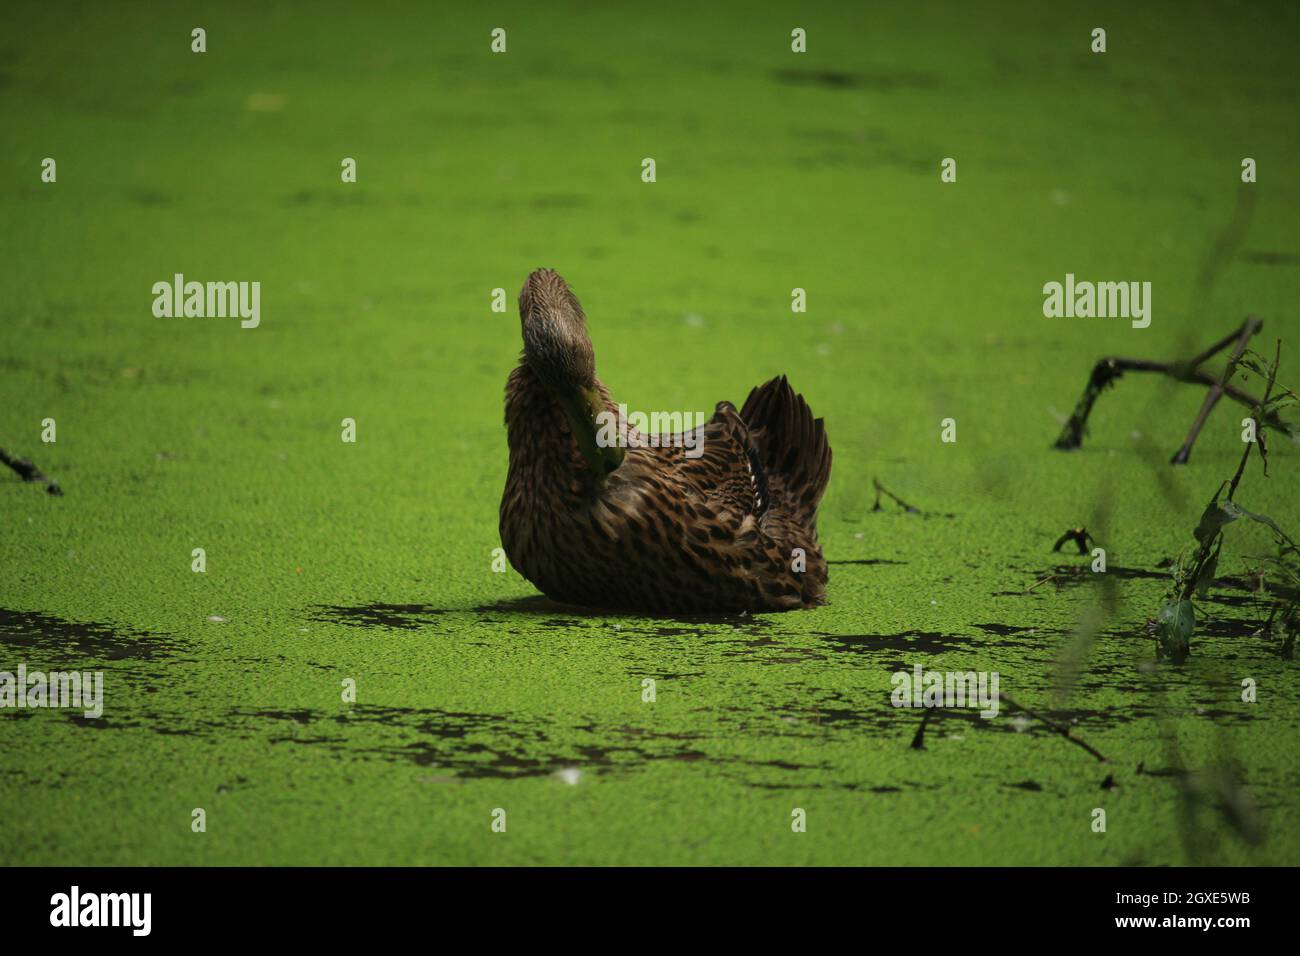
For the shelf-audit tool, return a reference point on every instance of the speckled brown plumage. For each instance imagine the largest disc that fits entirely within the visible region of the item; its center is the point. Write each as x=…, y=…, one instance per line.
x=661, y=532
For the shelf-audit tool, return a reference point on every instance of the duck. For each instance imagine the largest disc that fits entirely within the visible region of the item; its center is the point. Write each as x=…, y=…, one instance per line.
x=720, y=520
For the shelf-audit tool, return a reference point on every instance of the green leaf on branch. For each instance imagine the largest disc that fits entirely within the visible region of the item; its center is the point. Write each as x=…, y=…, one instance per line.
x=1237, y=511
x=1217, y=514
x=1174, y=626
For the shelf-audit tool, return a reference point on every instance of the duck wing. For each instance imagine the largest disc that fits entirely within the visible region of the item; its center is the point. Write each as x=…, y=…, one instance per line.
x=729, y=471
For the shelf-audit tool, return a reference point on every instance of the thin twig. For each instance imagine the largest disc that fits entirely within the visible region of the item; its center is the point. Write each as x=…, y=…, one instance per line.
x=882, y=490
x=1060, y=729
x=1036, y=585
x=1268, y=391
x=1107, y=370
x=1217, y=347
x=1248, y=329
x=918, y=740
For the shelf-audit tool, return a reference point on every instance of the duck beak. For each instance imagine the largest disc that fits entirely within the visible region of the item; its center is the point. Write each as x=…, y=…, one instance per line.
x=596, y=438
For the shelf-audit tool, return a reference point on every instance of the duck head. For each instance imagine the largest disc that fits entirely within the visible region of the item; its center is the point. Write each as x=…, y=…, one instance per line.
x=558, y=350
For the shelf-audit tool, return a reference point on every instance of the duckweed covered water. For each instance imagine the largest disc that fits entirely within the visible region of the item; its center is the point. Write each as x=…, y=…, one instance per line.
x=371, y=562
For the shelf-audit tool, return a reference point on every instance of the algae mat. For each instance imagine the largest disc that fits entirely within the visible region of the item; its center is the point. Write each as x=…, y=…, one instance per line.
x=369, y=564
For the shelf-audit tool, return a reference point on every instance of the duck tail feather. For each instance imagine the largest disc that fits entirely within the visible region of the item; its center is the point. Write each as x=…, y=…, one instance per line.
x=790, y=444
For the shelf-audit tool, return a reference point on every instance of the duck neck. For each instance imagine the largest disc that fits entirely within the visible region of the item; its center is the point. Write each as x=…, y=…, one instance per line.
x=533, y=416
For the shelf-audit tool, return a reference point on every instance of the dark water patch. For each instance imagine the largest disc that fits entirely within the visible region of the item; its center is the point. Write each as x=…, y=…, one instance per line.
x=667, y=675
x=154, y=722
x=926, y=642
x=1080, y=721
x=696, y=625
x=833, y=716
x=787, y=765
x=407, y=617
x=1272, y=258
x=1125, y=669
x=52, y=640
x=789, y=654
x=689, y=755
x=1006, y=630
x=472, y=745
x=537, y=604
x=98, y=723
x=297, y=716
x=546, y=614
x=464, y=746
x=1229, y=626
x=444, y=737
x=880, y=81
x=1228, y=599
x=789, y=775
x=869, y=157
x=1242, y=584
x=1145, y=771
x=848, y=787
x=868, y=561
x=749, y=623
x=148, y=197
x=761, y=647
x=1079, y=717
x=560, y=623
x=874, y=714
x=1067, y=576
x=1215, y=713
x=331, y=197
x=237, y=784
x=637, y=732
x=677, y=631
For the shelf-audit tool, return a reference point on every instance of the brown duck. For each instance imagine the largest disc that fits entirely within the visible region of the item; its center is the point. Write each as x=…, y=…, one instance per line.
x=641, y=525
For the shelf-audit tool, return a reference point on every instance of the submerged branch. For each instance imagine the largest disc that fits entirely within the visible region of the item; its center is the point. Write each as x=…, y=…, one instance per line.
x=918, y=739
x=1059, y=728
x=1108, y=370
x=29, y=472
